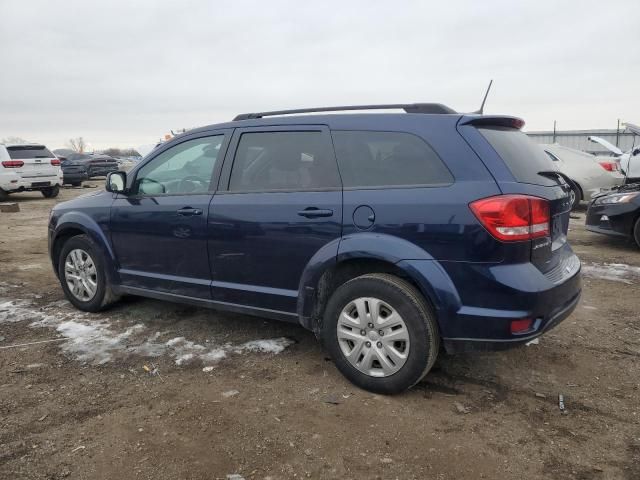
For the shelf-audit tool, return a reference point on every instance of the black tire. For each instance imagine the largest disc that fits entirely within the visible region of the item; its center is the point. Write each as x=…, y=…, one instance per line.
x=4, y=196
x=104, y=295
x=51, y=192
x=76, y=184
x=418, y=317
x=576, y=193
x=636, y=232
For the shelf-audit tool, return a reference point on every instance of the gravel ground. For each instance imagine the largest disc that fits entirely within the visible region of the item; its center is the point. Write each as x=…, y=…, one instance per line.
x=162, y=391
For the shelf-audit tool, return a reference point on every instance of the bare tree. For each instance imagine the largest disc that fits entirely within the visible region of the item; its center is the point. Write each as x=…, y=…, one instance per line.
x=13, y=140
x=77, y=144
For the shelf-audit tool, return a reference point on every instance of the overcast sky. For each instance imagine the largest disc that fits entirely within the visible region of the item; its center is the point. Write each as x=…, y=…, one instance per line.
x=122, y=73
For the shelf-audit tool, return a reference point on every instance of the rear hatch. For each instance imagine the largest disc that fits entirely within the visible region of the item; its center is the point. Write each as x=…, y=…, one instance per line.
x=35, y=161
x=531, y=173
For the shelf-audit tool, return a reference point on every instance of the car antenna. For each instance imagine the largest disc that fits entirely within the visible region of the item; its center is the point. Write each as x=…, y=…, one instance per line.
x=480, y=111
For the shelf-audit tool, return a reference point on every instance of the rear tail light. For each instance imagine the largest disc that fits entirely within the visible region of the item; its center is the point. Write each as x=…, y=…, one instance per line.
x=521, y=326
x=55, y=162
x=610, y=166
x=12, y=163
x=513, y=217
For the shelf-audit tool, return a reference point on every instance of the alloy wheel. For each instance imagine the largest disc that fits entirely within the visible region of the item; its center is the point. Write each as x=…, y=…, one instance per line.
x=81, y=275
x=373, y=337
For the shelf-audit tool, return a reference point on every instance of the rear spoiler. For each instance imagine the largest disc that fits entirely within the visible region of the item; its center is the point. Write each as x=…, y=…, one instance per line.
x=492, y=121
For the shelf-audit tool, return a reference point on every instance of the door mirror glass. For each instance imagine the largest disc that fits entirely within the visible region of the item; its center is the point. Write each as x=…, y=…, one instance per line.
x=116, y=182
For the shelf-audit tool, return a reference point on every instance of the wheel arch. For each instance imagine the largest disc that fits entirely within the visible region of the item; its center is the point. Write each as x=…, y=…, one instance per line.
x=371, y=253
x=79, y=224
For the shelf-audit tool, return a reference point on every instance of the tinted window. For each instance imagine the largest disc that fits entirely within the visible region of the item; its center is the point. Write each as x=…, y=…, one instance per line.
x=522, y=156
x=369, y=159
x=182, y=169
x=22, y=152
x=283, y=161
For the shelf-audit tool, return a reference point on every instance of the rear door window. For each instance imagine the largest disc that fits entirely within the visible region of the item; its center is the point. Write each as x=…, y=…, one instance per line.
x=376, y=159
x=523, y=157
x=30, y=151
x=291, y=161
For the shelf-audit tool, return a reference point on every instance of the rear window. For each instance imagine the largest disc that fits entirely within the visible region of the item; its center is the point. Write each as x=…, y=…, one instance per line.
x=376, y=159
x=522, y=156
x=30, y=151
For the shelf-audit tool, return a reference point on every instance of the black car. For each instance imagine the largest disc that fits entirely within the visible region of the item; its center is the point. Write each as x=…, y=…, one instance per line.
x=616, y=212
x=77, y=167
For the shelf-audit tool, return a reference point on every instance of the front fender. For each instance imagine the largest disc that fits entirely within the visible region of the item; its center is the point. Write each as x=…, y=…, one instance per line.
x=95, y=229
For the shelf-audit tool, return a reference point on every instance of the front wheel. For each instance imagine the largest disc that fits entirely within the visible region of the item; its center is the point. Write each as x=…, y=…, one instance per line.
x=636, y=232
x=51, y=192
x=4, y=196
x=381, y=333
x=81, y=270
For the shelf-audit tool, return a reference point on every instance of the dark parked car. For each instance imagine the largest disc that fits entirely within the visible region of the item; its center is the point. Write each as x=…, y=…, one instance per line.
x=385, y=234
x=616, y=212
x=77, y=167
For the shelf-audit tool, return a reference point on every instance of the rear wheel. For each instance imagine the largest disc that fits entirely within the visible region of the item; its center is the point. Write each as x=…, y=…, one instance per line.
x=76, y=184
x=81, y=269
x=636, y=232
x=51, y=192
x=381, y=333
x=4, y=196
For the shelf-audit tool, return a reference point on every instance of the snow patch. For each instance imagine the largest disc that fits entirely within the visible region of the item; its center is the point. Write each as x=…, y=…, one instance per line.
x=95, y=340
x=615, y=272
x=96, y=343
x=274, y=345
x=30, y=266
x=18, y=311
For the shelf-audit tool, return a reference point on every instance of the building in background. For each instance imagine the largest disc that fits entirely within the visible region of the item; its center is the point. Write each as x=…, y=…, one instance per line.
x=578, y=139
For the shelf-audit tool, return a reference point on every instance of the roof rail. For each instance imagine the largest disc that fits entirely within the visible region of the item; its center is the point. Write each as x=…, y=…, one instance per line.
x=407, y=107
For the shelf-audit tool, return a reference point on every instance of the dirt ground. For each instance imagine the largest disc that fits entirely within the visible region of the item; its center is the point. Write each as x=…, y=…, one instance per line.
x=84, y=407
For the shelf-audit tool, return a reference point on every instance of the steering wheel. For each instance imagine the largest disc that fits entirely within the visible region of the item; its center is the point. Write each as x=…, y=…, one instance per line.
x=192, y=184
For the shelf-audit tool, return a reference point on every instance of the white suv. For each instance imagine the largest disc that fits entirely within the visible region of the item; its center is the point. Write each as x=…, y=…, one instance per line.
x=29, y=167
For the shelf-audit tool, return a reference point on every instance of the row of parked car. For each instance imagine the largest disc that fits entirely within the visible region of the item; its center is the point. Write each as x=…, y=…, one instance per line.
x=33, y=167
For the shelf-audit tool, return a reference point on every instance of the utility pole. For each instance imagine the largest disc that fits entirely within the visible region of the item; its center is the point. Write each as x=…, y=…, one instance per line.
x=554, y=132
x=618, y=133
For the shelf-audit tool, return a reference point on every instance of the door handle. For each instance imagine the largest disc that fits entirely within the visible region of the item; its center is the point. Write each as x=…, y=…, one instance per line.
x=313, y=212
x=189, y=212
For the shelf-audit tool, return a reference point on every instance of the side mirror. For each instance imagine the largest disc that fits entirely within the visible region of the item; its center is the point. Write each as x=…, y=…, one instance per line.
x=116, y=182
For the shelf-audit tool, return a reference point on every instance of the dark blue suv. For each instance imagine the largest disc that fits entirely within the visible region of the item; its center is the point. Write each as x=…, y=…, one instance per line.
x=389, y=235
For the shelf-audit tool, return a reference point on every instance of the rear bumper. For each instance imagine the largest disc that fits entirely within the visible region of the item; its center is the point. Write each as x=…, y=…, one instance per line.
x=17, y=183
x=75, y=177
x=604, y=182
x=459, y=345
x=476, y=303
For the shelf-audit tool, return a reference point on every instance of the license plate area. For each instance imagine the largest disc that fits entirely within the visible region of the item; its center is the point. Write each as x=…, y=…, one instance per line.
x=41, y=184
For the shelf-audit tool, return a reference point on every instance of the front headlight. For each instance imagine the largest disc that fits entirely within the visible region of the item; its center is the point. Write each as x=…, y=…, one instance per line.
x=616, y=198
